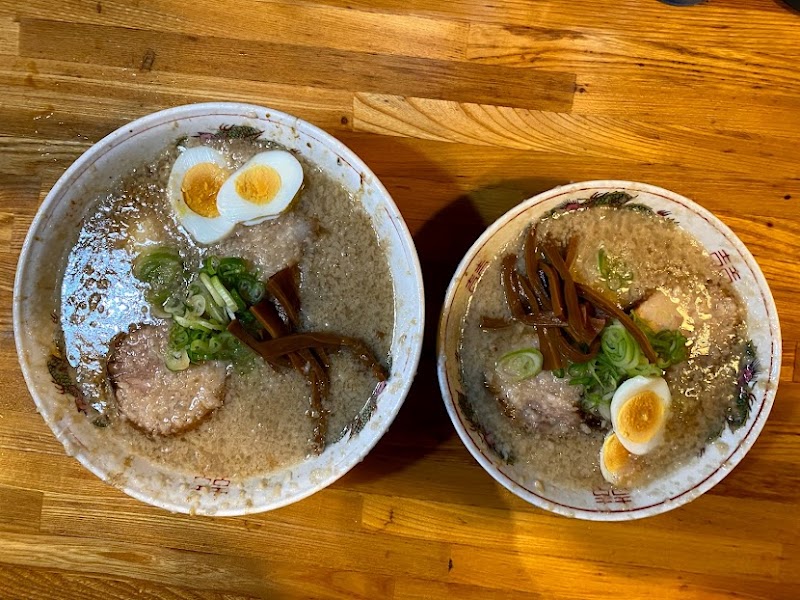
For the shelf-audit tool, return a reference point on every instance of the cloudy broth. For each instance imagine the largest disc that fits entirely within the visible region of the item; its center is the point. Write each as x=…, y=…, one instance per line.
x=263, y=425
x=660, y=256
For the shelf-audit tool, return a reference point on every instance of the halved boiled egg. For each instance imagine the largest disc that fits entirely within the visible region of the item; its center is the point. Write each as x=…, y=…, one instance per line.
x=616, y=463
x=261, y=189
x=194, y=182
x=639, y=412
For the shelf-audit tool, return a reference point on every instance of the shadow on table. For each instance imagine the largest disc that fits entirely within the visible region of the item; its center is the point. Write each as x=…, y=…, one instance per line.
x=421, y=458
x=790, y=5
x=423, y=424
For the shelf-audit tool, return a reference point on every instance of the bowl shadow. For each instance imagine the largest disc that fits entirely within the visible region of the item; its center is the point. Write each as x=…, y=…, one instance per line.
x=442, y=240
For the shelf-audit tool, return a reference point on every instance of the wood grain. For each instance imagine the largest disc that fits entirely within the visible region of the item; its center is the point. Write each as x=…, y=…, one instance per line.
x=20, y=583
x=294, y=65
x=20, y=510
x=545, y=131
x=33, y=85
x=463, y=109
x=305, y=25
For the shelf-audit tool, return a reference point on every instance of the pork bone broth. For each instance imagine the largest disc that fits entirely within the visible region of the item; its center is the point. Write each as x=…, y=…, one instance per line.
x=551, y=419
x=238, y=416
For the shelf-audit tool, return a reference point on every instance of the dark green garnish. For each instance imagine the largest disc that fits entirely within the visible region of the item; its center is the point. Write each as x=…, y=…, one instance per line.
x=223, y=289
x=613, y=271
x=739, y=410
x=621, y=358
x=161, y=268
x=670, y=345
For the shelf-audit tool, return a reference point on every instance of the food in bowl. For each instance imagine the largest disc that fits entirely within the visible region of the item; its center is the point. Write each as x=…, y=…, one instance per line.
x=227, y=308
x=601, y=347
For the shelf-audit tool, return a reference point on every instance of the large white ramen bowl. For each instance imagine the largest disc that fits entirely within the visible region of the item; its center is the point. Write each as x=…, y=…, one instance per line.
x=700, y=474
x=54, y=231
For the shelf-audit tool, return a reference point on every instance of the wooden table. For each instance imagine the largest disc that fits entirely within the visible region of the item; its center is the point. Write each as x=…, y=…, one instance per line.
x=463, y=108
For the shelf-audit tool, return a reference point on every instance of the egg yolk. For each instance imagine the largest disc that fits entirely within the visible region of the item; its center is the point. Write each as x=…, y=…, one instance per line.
x=616, y=459
x=640, y=417
x=200, y=186
x=258, y=184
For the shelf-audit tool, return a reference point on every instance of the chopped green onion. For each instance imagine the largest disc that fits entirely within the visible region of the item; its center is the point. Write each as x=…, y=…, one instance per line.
x=174, y=306
x=161, y=268
x=671, y=346
x=217, y=313
x=620, y=347
x=251, y=289
x=240, y=303
x=230, y=270
x=210, y=265
x=521, y=364
x=621, y=358
x=178, y=337
x=196, y=323
x=206, y=281
x=200, y=311
x=196, y=305
x=614, y=272
x=214, y=345
x=223, y=293
x=177, y=361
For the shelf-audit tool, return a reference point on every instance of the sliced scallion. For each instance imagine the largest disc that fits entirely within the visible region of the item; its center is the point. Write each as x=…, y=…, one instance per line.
x=196, y=323
x=206, y=281
x=177, y=361
x=224, y=294
x=521, y=364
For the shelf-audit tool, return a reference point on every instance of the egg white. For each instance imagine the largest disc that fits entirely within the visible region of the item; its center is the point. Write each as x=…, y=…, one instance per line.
x=204, y=230
x=615, y=476
x=238, y=209
x=625, y=392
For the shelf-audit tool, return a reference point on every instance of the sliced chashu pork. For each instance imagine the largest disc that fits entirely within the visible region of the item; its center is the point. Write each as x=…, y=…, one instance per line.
x=153, y=398
x=272, y=245
x=544, y=402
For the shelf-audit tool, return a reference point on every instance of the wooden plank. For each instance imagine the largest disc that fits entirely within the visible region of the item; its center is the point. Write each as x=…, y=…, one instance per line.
x=640, y=91
x=729, y=108
x=21, y=168
x=23, y=583
x=296, y=65
x=309, y=532
x=786, y=409
x=629, y=15
x=53, y=99
x=20, y=510
x=212, y=571
x=282, y=22
x=27, y=432
x=425, y=589
x=286, y=584
x=796, y=364
x=6, y=231
x=556, y=578
x=9, y=35
x=64, y=512
x=615, y=52
x=469, y=166
x=11, y=380
x=49, y=473
x=485, y=125
x=762, y=479
x=451, y=476
x=541, y=535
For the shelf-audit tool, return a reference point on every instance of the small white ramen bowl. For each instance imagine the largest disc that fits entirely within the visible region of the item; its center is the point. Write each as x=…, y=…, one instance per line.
x=689, y=481
x=54, y=231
